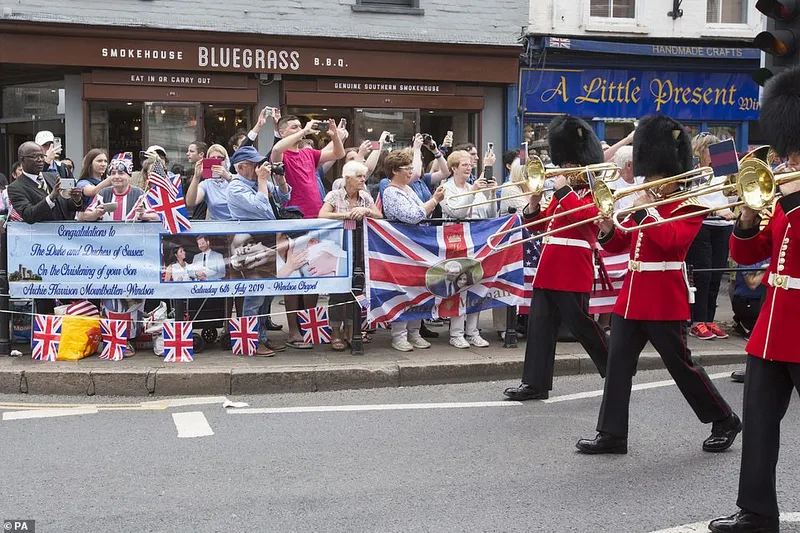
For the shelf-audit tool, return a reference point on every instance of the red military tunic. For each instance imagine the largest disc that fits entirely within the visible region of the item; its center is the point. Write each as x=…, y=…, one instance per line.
x=773, y=336
x=566, y=261
x=649, y=293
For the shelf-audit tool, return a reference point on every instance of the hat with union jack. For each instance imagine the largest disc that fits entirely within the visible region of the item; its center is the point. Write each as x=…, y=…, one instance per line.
x=122, y=161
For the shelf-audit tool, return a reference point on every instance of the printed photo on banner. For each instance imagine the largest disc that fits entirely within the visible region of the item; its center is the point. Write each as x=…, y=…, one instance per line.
x=196, y=257
x=315, y=253
x=453, y=276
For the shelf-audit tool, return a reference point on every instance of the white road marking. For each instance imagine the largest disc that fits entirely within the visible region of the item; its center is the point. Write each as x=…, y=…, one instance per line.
x=378, y=407
x=192, y=424
x=49, y=413
x=640, y=386
x=185, y=402
x=702, y=527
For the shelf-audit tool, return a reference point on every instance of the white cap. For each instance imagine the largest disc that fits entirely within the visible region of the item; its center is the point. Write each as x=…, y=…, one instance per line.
x=154, y=151
x=44, y=137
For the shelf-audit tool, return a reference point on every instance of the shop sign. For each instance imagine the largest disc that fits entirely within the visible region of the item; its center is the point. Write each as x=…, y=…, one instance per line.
x=630, y=93
x=169, y=79
x=390, y=86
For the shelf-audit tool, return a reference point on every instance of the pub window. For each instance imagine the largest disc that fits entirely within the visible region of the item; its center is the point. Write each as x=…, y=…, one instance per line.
x=726, y=12
x=618, y=9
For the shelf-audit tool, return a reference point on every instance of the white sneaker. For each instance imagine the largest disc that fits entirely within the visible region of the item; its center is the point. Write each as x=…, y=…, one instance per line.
x=478, y=341
x=403, y=346
x=418, y=342
x=459, y=342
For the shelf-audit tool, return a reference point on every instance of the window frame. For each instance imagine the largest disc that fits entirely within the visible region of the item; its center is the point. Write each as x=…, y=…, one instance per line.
x=388, y=7
x=612, y=24
x=733, y=25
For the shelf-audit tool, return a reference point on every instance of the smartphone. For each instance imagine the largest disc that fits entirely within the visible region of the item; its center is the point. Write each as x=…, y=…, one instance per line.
x=57, y=143
x=490, y=147
x=209, y=162
x=267, y=111
x=374, y=145
x=449, y=133
x=67, y=184
x=322, y=126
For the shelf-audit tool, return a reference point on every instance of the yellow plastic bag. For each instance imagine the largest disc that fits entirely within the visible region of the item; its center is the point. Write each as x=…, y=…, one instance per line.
x=80, y=337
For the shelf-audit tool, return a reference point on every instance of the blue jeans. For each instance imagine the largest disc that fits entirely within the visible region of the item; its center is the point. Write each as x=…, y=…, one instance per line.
x=258, y=305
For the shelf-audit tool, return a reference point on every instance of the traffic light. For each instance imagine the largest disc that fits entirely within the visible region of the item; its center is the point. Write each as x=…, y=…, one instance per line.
x=781, y=40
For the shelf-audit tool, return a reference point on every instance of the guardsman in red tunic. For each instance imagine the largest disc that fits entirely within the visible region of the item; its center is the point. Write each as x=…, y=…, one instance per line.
x=773, y=364
x=653, y=304
x=565, y=274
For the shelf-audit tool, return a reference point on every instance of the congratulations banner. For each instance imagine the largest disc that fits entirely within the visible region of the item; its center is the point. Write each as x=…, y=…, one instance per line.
x=216, y=259
x=634, y=94
x=416, y=272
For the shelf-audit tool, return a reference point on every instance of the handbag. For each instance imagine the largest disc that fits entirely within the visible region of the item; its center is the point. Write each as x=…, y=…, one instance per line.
x=281, y=212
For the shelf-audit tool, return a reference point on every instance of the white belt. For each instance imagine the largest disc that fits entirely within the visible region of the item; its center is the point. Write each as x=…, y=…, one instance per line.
x=567, y=242
x=663, y=266
x=780, y=281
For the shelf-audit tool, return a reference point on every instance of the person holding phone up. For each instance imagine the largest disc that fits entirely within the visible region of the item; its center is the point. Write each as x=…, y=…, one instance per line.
x=210, y=183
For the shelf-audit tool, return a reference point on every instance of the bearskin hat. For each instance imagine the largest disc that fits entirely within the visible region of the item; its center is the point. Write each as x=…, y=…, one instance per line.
x=661, y=147
x=573, y=141
x=779, y=119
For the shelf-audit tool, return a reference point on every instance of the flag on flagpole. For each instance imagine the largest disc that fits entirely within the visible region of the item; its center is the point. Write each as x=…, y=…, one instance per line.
x=314, y=325
x=46, y=336
x=244, y=335
x=115, y=339
x=178, y=342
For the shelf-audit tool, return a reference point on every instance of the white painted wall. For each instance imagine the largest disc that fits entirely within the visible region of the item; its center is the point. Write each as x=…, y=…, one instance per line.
x=556, y=17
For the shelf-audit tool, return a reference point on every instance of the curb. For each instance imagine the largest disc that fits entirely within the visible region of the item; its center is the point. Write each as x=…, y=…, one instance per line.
x=204, y=381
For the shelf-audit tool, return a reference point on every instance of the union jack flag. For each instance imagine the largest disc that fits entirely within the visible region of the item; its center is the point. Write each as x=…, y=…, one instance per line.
x=605, y=292
x=366, y=325
x=46, y=337
x=405, y=266
x=165, y=197
x=314, y=325
x=115, y=339
x=244, y=335
x=178, y=342
x=560, y=42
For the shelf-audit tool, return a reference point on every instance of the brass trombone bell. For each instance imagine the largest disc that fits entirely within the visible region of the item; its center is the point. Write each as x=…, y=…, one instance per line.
x=755, y=185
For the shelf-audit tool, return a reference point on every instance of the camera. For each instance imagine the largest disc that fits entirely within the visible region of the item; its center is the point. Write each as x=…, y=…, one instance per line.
x=426, y=139
x=278, y=169
x=321, y=126
x=390, y=138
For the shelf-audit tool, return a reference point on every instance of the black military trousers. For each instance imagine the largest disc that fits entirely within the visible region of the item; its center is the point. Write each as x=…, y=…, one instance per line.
x=668, y=337
x=548, y=307
x=768, y=388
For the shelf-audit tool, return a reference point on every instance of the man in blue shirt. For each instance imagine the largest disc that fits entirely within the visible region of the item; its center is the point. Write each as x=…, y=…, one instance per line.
x=249, y=195
x=746, y=300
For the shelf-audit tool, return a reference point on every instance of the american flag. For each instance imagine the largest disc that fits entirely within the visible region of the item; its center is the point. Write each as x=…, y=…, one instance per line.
x=115, y=339
x=14, y=215
x=603, y=297
x=401, y=259
x=244, y=335
x=82, y=308
x=178, y=342
x=165, y=197
x=560, y=42
x=46, y=337
x=530, y=258
x=314, y=325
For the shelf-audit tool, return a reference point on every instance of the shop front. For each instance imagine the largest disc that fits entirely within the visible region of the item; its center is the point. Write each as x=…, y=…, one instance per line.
x=150, y=88
x=612, y=94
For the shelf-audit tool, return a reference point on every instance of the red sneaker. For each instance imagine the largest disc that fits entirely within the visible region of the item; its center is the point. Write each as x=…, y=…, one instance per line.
x=702, y=332
x=716, y=330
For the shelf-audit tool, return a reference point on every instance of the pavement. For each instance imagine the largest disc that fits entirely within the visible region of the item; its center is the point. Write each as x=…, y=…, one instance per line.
x=444, y=458
x=216, y=371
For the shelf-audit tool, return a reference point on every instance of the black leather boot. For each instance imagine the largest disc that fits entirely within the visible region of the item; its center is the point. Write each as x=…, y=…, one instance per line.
x=603, y=443
x=745, y=522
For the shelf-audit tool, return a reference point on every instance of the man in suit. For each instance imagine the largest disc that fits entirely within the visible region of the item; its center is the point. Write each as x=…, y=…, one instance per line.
x=35, y=194
x=207, y=264
x=446, y=287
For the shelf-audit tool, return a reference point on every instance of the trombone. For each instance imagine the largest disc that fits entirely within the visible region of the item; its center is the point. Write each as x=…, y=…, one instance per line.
x=604, y=199
x=755, y=185
x=535, y=175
